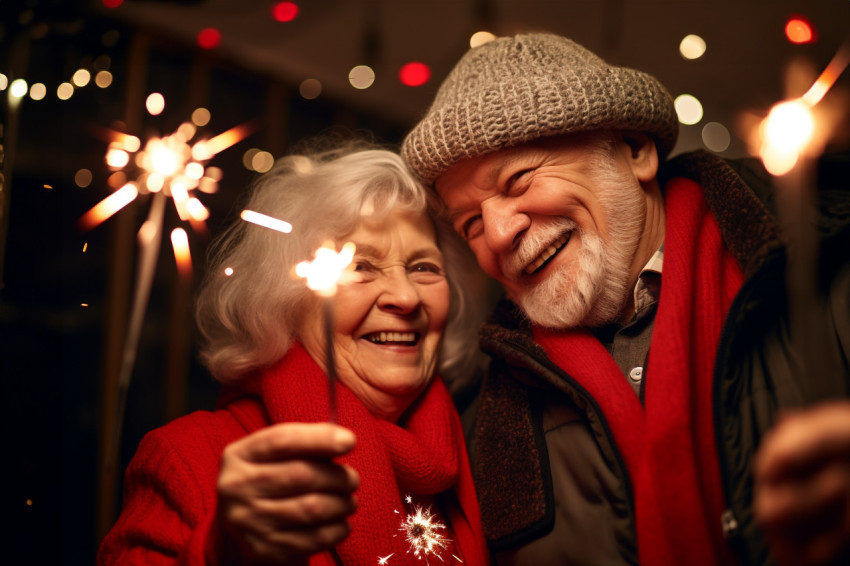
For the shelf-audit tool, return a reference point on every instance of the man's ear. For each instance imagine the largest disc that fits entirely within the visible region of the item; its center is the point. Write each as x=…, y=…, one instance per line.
x=643, y=157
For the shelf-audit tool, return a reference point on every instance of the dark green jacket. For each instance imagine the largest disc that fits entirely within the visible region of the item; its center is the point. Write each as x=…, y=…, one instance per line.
x=552, y=484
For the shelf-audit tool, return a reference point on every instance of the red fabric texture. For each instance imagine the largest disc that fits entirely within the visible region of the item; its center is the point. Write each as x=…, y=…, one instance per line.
x=668, y=444
x=170, y=486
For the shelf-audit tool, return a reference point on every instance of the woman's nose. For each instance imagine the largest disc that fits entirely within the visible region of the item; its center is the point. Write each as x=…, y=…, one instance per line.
x=503, y=224
x=399, y=294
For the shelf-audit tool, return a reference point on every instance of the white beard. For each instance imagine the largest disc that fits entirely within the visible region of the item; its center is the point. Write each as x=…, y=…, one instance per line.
x=593, y=289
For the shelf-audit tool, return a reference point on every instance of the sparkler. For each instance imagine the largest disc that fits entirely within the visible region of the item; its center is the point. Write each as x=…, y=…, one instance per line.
x=787, y=150
x=167, y=167
x=322, y=275
x=424, y=534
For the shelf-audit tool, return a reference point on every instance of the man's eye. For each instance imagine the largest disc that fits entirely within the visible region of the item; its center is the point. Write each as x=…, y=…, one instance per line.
x=471, y=227
x=362, y=266
x=514, y=186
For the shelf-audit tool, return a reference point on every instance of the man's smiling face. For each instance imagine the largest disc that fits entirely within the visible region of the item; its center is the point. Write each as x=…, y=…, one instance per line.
x=556, y=221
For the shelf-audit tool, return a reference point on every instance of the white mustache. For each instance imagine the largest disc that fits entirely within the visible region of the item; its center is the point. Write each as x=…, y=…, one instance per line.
x=534, y=244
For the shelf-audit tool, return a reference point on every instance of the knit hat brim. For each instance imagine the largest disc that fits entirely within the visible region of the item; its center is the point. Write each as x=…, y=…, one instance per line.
x=514, y=90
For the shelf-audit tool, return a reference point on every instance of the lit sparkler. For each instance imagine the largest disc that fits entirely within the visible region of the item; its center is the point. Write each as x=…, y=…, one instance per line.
x=171, y=166
x=424, y=533
x=322, y=275
x=789, y=141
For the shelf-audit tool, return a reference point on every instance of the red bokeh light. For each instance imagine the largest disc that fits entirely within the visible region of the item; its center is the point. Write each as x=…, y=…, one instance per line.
x=285, y=11
x=209, y=38
x=112, y=3
x=414, y=74
x=798, y=30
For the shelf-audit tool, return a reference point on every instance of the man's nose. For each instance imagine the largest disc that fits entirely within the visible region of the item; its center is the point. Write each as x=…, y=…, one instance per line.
x=504, y=225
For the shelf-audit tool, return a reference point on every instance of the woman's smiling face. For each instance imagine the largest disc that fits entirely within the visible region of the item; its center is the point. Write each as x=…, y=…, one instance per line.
x=390, y=310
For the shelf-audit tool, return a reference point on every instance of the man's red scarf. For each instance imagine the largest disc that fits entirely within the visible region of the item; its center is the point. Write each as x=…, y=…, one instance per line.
x=668, y=444
x=425, y=458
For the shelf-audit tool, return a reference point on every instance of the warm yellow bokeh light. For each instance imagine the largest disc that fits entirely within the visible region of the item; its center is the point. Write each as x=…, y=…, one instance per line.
x=155, y=103
x=692, y=47
x=262, y=161
x=81, y=77
x=688, y=109
x=103, y=79
x=117, y=158
x=201, y=116
x=64, y=91
x=361, y=77
x=480, y=38
x=18, y=88
x=38, y=91
x=4, y=81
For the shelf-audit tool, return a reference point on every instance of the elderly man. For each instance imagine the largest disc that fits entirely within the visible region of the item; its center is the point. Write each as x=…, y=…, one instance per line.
x=630, y=413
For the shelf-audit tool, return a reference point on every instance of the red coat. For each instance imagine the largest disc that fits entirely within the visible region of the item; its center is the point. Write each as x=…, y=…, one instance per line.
x=170, y=485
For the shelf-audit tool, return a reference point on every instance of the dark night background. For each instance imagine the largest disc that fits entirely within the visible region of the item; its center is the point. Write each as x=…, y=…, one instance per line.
x=54, y=352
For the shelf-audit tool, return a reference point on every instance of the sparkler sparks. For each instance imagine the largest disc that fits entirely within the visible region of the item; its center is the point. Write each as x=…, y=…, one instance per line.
x=424, y=534
x=322, y=275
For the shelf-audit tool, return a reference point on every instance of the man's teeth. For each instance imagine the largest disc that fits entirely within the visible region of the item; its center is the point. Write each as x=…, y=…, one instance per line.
x=547, y=253
x=384, y=337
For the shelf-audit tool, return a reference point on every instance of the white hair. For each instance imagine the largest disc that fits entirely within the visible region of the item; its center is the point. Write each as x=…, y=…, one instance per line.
x=248, y=320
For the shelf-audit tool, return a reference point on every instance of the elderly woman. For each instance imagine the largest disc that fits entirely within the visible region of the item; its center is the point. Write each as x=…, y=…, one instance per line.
x=263, y=479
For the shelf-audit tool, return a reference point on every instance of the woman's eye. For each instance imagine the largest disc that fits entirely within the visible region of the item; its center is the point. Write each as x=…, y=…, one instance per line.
x=362, y=266
x=426, y=267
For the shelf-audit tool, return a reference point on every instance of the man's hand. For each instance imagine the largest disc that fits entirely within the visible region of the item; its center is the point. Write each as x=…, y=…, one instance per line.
x=281, y=497
x=802, y=486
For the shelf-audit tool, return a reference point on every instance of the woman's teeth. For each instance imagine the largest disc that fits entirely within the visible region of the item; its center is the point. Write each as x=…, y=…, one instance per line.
x=547, y=253
x=387, y=337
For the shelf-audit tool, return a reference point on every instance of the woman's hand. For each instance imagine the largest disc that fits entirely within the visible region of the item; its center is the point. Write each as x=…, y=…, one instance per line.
x=802, y=487
x=281, y=497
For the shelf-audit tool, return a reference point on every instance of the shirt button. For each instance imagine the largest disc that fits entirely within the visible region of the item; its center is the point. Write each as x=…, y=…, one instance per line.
x=636, y=373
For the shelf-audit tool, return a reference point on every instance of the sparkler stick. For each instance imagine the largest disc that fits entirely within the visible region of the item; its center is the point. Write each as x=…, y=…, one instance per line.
x=150, y=237
x=322, y=276
x=786, y=151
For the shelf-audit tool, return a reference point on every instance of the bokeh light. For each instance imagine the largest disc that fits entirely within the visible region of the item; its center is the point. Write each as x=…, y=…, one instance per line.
x=688, y=108
x=81, y=77
x=798, y=30
x=64, y=91
x=201, y=116
x=262, y=161
x=361, y=77
x=18, y=88
x=248, y=156
x=208, y=38
x=228, y=271
x=285, y=11
x=480, y=38
x=103, y=79
x=692, y=47
x=112, y=3
x=4, y=81
x=155, y=103
x=38, y=91
x=310, y=88
x=414, y=74
x=83, y=178
x=716, y=137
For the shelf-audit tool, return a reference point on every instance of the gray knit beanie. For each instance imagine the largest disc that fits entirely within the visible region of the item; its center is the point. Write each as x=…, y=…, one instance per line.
x=516, y=89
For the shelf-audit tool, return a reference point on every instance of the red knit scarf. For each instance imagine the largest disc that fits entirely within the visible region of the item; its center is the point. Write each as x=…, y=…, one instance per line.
x=425, y=458
x=668, y=444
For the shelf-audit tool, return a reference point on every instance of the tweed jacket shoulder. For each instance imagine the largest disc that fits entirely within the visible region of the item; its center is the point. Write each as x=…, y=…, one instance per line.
x=754, y=377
